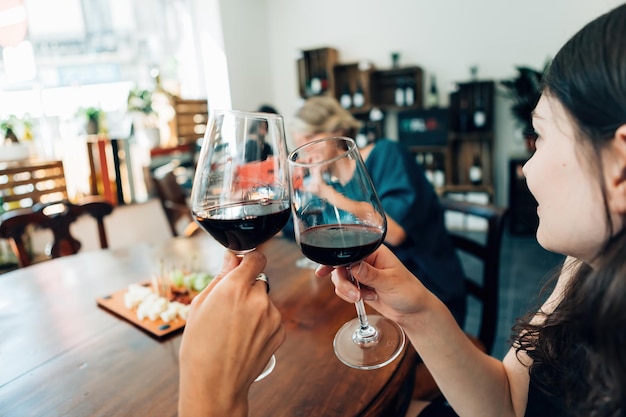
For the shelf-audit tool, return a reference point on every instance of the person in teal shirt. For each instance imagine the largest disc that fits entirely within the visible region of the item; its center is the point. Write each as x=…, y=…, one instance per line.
x=416, y=232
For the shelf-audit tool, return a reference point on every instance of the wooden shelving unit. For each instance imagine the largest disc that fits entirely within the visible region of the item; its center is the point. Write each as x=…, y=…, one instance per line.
x=455, y=137
x=316, y=66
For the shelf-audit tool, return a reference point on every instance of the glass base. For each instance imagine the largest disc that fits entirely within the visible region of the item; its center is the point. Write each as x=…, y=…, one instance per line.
x=372, y=354
x=268, y=369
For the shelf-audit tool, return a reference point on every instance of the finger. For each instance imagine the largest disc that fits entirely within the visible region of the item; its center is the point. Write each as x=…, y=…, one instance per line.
x=371, y=269
x=265, y=280
x=323, y=271
x=344, y=287
x=252, y=264
x=230, y=262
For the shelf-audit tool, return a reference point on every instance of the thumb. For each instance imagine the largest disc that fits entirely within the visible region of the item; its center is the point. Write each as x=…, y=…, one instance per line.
x=372, y=269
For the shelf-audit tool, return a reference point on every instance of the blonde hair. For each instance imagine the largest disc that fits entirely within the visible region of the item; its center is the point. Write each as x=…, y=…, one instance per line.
x=324, y=114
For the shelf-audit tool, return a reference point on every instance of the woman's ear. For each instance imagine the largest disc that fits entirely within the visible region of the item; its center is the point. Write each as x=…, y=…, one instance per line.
x=616, y=165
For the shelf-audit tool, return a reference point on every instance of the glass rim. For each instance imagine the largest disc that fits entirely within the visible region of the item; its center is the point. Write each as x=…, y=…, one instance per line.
x=351, y=147
x=248, y=114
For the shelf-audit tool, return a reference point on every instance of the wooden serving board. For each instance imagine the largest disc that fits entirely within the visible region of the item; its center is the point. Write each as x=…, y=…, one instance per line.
x=115, y=304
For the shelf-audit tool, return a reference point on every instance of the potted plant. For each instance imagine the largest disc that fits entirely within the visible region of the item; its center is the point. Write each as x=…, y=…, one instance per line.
x=145, y=118
x=93, y=116
x=524, y=91
x=11, y=148
x=8, y=126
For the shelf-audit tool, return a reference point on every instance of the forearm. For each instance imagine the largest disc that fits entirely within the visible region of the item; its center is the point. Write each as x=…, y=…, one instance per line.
x=474, y=383
x=360, y=209
x=395, y=233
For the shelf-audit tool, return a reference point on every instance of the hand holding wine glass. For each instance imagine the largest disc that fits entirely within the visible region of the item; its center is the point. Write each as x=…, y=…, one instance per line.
x=339, y=220
x=241, y=197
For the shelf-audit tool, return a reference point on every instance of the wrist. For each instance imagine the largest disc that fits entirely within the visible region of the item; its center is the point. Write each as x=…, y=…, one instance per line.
x=193, y=404
x=199, y=397
x=423, y=317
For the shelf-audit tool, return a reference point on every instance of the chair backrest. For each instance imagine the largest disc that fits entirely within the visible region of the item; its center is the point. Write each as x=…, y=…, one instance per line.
x=484, y=289
x=26, y=184
x=191, y=119
x=173, y=199
x=56, y=216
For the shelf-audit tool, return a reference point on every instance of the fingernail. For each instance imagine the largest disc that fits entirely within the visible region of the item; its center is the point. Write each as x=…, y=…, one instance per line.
x=354, y=295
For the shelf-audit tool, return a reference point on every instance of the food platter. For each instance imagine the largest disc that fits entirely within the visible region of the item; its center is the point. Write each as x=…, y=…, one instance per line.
x=115, y=303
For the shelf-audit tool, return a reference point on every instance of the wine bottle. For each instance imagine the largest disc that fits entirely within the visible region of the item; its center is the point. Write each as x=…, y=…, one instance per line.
x=429, y=167
x=315, y=83
x=463, y=115
x=432, y=100
x=480, y=114
x=439, y=176
x=399, y=92
x=476, y=171
x=361, y=138
x=346, y=97
x=359, y=98
x=409, y=92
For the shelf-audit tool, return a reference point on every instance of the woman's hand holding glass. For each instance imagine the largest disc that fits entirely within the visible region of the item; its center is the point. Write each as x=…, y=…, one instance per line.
x=386, y=284
x=232, y=359
x=241, y=198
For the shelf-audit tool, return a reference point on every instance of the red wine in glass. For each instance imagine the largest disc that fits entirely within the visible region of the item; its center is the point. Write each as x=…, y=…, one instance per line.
x=243, y=226
x=336, y=244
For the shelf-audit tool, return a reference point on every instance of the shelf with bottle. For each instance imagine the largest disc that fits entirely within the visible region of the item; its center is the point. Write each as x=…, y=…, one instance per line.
x=398, y=88
x=472, y=106
x=353, y=86
x=468, y=152
x=472, y=164
x=435, y=161
x=315, y=72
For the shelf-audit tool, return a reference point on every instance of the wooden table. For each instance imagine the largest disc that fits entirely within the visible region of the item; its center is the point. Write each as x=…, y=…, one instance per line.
x=62, y=355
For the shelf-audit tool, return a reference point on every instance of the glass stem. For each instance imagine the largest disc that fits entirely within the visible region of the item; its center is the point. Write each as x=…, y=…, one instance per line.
x=365, y=333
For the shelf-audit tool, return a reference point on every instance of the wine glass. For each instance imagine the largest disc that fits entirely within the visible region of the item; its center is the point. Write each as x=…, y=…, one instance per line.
x=240, y=192
x=339, y=220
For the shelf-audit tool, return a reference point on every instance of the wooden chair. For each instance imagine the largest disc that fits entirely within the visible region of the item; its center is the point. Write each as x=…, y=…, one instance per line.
x=173, y=200
x=23, y=184
x=483, y=288
x=58, y=217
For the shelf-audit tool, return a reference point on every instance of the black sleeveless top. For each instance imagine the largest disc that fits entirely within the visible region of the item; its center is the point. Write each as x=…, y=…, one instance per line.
x=540, y=404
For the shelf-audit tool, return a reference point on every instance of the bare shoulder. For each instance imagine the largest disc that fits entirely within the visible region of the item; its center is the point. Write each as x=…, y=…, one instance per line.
x=515, y=363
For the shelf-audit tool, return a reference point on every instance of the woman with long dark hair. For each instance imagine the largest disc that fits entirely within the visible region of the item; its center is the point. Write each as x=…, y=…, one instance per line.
x=568, y=358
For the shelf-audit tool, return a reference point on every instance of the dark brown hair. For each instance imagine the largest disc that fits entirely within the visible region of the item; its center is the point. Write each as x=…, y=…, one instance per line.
x=579, y=351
